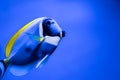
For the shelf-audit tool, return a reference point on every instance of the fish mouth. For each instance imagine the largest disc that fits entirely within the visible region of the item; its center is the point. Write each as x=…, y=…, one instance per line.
x=61, y=34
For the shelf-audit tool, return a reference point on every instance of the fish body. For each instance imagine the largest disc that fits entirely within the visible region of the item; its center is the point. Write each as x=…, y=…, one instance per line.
x=32, y=45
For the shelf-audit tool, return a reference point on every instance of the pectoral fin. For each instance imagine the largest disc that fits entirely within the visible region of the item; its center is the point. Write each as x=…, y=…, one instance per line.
x=43, y=61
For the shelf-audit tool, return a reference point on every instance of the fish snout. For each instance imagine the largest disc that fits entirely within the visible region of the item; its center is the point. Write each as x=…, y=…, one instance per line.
x=61, y=34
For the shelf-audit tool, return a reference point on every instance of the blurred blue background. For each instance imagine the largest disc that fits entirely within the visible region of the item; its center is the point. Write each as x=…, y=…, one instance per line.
x=91, y=48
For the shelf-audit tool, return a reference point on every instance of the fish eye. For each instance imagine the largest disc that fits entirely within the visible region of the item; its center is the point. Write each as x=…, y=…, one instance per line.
x=48, y=22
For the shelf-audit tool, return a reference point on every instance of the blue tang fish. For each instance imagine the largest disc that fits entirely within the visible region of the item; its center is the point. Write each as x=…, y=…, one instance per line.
x=31, y=46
